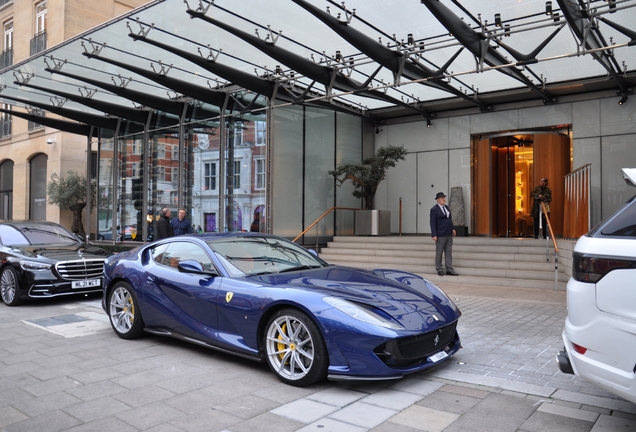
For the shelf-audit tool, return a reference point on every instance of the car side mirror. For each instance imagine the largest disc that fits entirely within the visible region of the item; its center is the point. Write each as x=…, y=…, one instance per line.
x=313, y=252
x=193, y=266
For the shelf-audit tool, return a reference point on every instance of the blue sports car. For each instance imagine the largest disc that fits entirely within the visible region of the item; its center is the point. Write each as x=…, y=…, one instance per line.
x=265, y=298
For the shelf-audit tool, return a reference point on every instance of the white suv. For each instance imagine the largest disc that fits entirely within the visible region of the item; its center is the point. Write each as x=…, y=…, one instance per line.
x=600, y=330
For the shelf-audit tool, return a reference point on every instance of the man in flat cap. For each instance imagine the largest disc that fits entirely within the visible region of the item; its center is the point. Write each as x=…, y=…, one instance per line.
x=442, y=232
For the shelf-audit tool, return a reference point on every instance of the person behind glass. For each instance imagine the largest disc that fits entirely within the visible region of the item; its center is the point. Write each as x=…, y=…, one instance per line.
x=442, y=232
x=164, y=229
x=180, y=225
x=541, y=194
x=256, y=223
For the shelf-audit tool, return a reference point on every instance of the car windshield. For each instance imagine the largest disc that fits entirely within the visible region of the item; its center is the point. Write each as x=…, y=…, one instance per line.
x=254, y=255
x=35, y=234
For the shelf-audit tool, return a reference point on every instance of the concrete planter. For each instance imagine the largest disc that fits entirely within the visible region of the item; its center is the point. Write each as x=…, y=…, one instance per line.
x=373, y=222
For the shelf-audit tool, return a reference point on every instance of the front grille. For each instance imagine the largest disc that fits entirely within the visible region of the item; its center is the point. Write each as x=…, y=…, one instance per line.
x=410, y=350
x=81, y=269
x=425, y=344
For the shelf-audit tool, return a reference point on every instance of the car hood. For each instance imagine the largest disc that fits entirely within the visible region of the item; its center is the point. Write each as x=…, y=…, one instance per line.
x=407, y=297
x=62, y=253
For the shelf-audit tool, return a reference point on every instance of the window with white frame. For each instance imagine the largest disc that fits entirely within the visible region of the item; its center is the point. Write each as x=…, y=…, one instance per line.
x=40, y=17
x=238, y=134
x=209, y=176
x=161, y=173
x=259, y=173
x=236, y=175
x=260, y=130
x=174, y=197
x=161, y=151
x=8, y=35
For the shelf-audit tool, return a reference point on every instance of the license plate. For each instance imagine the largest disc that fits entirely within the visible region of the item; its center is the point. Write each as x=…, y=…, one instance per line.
x=85, y=283
x=437, y=357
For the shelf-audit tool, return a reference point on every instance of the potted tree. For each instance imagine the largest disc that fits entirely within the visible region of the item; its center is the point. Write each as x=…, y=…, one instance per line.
x=366, y=176
x=69, y=193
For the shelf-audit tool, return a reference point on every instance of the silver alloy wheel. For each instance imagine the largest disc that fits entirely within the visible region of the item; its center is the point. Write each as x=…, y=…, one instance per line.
x=290, y=347
x=121, y=310
x=8, y=285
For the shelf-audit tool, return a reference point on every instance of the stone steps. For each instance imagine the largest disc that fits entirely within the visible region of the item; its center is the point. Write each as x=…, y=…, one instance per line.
x=517, y=263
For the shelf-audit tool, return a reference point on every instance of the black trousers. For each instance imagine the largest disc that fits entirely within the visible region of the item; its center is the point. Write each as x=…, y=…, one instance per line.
x=544, y=224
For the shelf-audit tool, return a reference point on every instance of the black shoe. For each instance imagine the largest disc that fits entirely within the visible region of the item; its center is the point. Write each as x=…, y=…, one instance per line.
x=441, y=273
x=451, y=273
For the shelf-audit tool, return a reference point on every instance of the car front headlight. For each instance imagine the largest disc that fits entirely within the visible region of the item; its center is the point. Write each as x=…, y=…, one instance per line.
x=361, y=313
x=34, y=266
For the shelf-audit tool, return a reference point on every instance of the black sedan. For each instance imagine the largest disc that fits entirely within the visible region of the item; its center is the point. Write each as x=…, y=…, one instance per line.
x=42, y=259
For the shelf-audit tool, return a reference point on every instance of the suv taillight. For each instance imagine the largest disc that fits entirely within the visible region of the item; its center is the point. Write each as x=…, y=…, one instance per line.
x=589, y=268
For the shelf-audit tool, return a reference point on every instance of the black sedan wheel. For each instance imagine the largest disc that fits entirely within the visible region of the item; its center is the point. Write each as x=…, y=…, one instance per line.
x=124, y=313
x=9, y=287
x=295, y=348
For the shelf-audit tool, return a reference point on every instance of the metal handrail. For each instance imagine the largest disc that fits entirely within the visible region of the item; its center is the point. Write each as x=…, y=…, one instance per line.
x=556, y=247
x=321, y=218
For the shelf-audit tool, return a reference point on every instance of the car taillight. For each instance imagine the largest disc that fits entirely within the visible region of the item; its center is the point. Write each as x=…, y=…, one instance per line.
x=589, y=268
x=579, y=349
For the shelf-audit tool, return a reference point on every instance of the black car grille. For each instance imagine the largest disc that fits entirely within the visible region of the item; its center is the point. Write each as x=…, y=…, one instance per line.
x=410, y=350
x=80, y=269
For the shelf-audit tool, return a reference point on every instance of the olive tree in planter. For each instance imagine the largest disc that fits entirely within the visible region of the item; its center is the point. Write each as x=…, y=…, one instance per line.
x=69, y=193
x=366, y=176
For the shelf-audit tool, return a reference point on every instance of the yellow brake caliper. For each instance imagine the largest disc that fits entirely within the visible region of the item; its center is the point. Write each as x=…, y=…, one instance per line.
x=132, y=309
x=281, y=346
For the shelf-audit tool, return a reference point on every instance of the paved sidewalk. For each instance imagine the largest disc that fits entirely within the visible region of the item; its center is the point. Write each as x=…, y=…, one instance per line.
x=62, y=368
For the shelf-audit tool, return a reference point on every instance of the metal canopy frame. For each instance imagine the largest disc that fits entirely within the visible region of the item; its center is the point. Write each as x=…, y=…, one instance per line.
x=191, y=61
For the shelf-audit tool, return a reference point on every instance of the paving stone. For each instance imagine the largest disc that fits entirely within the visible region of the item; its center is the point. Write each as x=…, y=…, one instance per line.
x=331, y=425
x=449, y=402
x=50, y=422
x=268, y=422
x=362, y=414
x=96, y=409
x=417, y=386
x=564, y=411
x=428, y=419
x=391, y=399
x=336, y=396
x=613, y=404
x=247, y=406
x=106, y=424
x=45, y=404
x=613, y=424
x=208, y=420
x=548, y=422
x=9, y=415
x=143, y=396
x=304, y=410
x=147, y=416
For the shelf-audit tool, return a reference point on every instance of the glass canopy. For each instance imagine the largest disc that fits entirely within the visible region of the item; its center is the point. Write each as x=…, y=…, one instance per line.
x=371, y=58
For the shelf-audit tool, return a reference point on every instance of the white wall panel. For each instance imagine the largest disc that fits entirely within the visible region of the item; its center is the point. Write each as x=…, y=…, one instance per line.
x=417, y=137
x=432, y=177
x=494, y=121
x=545, y=115
x=616, y=152
x=401, y=183
x=459, y=132
x=586, y=119
x=617, y=119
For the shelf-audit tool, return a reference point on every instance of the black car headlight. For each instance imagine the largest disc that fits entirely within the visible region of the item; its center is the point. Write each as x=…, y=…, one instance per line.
x=361, y=313
x=34, y=266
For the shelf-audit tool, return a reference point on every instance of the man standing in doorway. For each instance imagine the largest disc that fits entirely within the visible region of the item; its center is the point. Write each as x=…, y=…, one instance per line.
x=541, y=194
x=164, y=229
x=180, y=225
x=442, y=231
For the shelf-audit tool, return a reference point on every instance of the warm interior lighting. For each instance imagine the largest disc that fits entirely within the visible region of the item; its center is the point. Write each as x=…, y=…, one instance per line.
x=498, y=20
x=623, y=100
x=548, y=8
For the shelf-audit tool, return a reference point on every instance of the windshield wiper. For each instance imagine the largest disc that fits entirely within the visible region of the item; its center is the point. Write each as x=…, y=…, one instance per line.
x=300, y=267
